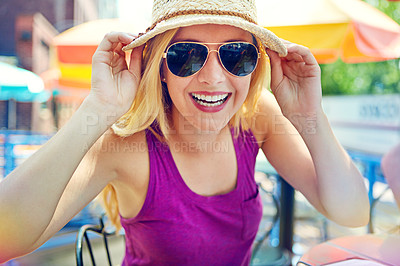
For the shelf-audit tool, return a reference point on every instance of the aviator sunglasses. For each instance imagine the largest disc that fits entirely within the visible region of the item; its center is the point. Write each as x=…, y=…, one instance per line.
x=185, y=59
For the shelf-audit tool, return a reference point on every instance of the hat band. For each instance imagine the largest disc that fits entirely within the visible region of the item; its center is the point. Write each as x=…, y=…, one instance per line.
x=201, y=12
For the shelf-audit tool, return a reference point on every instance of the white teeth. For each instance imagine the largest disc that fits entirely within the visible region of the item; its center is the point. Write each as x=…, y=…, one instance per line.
x=210, y=101
x=208, y=98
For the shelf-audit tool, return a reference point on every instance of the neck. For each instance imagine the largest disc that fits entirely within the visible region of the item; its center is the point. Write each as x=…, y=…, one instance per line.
x=186, y=133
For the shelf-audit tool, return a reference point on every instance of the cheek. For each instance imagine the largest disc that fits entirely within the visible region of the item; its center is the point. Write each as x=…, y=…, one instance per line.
x=176, y=85
x=242, y=86
x=177, y=88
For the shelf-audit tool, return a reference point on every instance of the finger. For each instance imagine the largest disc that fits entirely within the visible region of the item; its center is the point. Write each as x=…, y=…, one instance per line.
x=294, y=57
x=135, y=64
x=304, y=52
x=118, y=49
x=111, y=39
x=119, y=62
x=102, y=61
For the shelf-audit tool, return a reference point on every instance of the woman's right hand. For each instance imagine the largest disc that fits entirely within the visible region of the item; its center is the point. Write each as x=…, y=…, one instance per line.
x=114, y=84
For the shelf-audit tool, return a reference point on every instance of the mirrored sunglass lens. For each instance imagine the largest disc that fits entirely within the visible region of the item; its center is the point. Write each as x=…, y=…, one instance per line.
x=185, y=59
x=239, y=58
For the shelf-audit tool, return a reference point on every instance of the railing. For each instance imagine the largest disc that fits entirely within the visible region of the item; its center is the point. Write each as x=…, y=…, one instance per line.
x=15, y=147
x=370, y=167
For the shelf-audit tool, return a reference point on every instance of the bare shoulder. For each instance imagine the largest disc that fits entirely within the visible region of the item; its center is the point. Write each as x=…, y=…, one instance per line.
x=130, y=158
x=124, y=153
x=267, y=117
x=111, y=144
x=127, y=156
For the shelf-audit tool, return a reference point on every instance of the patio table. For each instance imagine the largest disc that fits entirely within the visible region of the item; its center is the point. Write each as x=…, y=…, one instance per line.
x=355, y=250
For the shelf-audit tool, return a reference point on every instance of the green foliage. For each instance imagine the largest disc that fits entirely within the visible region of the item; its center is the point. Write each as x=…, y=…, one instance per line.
x=392, y=9
x=365, y=78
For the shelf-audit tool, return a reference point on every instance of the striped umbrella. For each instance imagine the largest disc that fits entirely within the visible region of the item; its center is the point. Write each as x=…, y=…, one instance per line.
x=73, y=51
x=350, y=29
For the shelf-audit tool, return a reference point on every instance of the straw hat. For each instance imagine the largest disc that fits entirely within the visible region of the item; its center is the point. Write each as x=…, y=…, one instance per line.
x=171, y=14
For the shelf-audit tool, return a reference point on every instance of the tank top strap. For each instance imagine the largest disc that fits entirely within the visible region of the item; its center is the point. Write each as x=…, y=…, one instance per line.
x=245, y=142
x=246, y=147
x=165, y=177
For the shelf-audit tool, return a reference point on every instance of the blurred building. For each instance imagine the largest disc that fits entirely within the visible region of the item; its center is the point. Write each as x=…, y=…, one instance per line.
x=33, y=37
x=27, y=29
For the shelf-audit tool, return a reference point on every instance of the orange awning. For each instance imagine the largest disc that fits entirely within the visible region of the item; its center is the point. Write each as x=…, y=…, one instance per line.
x=73, y=50
x=350, y=29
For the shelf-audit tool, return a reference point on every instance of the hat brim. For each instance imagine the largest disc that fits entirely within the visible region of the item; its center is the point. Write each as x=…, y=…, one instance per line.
x=268, y=38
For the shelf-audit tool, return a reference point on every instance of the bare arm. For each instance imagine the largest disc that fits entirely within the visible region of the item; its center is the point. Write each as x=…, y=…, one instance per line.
x=35, y=196
x=30, y=194
x=305, y=152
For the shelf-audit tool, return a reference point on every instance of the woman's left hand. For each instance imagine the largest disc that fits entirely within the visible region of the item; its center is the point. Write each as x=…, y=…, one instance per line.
x=296, y=81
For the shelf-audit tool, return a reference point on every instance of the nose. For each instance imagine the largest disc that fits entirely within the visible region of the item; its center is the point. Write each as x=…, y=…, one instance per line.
x=212, y=72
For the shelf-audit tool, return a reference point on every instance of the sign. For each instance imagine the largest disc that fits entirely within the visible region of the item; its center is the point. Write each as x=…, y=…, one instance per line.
x=366, y=123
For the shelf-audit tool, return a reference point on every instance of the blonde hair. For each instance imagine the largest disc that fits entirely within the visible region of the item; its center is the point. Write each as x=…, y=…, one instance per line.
x=152, y=105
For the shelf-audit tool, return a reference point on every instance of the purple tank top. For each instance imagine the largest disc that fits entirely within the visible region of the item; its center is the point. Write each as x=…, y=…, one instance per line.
x=179, y=227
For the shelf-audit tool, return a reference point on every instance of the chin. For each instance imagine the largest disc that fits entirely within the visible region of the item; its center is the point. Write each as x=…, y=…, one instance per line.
x=210, y=125
x=201, y=123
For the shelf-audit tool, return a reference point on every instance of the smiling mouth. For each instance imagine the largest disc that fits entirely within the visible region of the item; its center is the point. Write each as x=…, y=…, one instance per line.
x=210, y=101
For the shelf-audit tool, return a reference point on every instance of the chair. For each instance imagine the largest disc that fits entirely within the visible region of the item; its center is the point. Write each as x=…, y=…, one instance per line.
x=83, y=236
x=264, y=254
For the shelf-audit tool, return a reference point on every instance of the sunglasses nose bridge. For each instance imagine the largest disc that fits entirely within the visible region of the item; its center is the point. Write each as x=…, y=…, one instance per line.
x=218, y=55
x=216, y=51
x=210, y=51
x=218, y=58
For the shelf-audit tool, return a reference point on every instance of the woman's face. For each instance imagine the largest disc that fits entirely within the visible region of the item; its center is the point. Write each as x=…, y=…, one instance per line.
x=211, y=81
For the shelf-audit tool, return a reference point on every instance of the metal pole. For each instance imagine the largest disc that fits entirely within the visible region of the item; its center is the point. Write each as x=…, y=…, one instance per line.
x=286, y=216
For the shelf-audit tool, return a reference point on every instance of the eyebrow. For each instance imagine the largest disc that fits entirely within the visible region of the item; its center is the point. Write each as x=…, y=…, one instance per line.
x=185, y=40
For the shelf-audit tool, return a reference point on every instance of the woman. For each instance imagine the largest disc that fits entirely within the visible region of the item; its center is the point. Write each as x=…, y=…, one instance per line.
x=188, y=115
